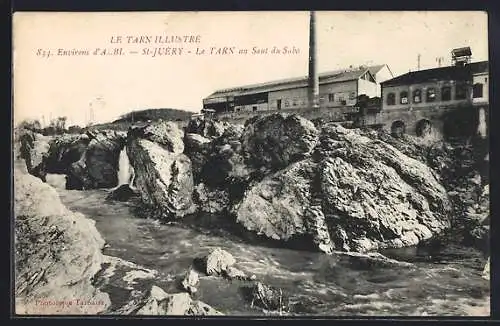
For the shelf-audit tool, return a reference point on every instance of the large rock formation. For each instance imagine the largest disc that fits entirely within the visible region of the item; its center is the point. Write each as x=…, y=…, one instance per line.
x=158, y=302
x=355, y=193
x=275, y=141
x=98, y=165
x=163, y=173
x=65, y=150
x=34, y=150
x=57, y=253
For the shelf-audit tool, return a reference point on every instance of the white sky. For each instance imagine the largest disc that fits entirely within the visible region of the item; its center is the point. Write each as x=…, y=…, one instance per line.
x=66, y=85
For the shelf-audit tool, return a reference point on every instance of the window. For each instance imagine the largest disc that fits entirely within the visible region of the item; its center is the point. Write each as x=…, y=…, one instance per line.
x=417, y=96
x=352, y=96
x=477, y=90
x=460, y=92
x=391, y=99
x=403, y=97
x=294, y=102
x=287, y=104
x=278, y=104
x=254, y=108
x=446, y=93
x=331, y=97
x=431, y=94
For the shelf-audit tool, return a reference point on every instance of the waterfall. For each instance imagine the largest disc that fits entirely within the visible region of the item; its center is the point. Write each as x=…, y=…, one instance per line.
x=125, y=170
x=481, y=128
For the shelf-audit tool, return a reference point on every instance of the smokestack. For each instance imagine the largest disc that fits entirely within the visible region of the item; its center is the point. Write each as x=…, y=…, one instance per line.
x=313, y=90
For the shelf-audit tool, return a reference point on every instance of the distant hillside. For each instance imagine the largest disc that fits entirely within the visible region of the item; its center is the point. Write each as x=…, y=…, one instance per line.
x=155, y=114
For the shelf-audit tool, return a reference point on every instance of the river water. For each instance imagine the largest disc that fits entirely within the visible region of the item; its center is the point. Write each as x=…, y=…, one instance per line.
x=447, y=284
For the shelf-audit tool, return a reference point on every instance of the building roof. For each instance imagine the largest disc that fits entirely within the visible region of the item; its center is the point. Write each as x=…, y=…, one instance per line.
x=375, y=69
x=335, y=76
x=442, y=73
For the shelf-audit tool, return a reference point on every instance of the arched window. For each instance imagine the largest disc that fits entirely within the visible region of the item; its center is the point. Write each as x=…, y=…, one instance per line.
x=417, y=96
x=477, y=90
x=431, y=94
x=403, y=97
x=391, y=99
x=446, y=93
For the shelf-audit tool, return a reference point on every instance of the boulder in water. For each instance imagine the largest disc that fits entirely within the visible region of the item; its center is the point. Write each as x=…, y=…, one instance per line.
x=218, y=261
x=157, y=302
x=266, y=296
x=353, y=194
x=190, y=281
x=122, y=193
x=163, y=173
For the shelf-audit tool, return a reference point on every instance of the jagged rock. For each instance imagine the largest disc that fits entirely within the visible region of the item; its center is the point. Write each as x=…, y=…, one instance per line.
x=275, y=141
x=198, y=149
x=377, y=195
x=234, y=273
x=98, y=165
x=267, y=297
x=165, y=133
x=316, y=225
x=275, y=207
x=354, y=194
x=207, y=127
x=64, y=150
x=57, y=253
x=211, y=201
x=34, y=150
x=122, y=193
x=163, y=174
x=190, y=281
x=218, y=261
x=157, y=302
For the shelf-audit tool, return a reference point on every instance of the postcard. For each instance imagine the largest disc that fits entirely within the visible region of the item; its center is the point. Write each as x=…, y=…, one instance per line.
x=259, y=164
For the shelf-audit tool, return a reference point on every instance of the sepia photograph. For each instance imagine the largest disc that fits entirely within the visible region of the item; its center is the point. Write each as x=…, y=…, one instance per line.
x=251, y=163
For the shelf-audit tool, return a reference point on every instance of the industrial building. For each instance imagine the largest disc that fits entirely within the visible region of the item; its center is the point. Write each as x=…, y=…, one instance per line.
x=418, y=101
x=337, y=89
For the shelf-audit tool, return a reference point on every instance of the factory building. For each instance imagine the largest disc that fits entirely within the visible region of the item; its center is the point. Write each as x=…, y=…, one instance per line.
x=337, y=89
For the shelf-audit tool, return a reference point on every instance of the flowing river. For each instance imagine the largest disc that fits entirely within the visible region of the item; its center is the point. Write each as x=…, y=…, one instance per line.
x=447, y=283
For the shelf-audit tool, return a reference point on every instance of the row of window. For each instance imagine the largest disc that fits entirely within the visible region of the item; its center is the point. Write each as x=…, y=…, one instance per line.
x=340, y=97
x=431, y=95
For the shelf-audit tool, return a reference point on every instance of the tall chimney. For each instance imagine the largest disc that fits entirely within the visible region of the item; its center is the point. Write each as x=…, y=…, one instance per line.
x=313, y=90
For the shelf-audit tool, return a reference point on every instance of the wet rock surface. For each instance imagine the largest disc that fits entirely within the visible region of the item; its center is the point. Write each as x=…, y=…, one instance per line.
x=123, y=193
x=163, y=174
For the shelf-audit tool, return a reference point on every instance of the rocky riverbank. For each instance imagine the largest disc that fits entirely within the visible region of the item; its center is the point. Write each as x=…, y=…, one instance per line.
x=277, y=178
x=330, y=188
